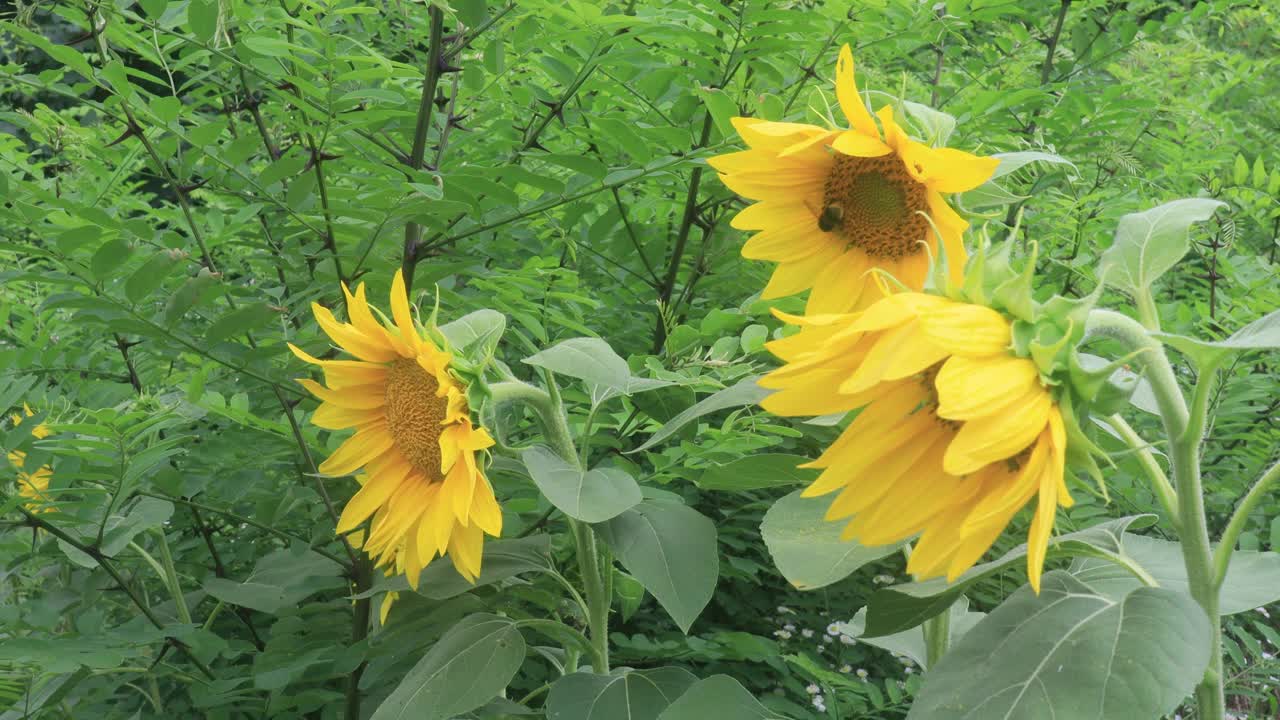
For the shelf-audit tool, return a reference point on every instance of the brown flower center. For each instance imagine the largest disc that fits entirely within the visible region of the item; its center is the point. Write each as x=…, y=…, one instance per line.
x=414, y=414
x=875, y=205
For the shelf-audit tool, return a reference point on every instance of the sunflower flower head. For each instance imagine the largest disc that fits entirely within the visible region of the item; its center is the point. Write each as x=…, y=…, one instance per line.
x=415, y=452
x=833, y=203
x=965, y=418
x=32, y=485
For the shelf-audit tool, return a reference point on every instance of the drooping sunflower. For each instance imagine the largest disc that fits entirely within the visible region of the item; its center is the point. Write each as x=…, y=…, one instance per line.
x=833, y=203
x=956, y=433
x=33, y=486
x=415, y=447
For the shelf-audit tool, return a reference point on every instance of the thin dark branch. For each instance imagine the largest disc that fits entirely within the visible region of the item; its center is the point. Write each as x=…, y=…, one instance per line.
x=430, y=79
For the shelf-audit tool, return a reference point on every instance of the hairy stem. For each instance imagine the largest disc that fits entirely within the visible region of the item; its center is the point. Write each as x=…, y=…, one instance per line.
x=1240, y=518
x=1185, y=430
x=550, y=411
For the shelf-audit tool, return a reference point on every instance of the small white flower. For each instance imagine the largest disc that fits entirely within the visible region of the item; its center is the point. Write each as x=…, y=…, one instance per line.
x=846, y=669
x=827, y=639
x=882, y=579
x=813, y=689
x=902, y=685
x=833, y=629
x=789, y=627
x=1263, y=611
x=909, y=670
x=861, y=673
x=819, y=705
x=807, y=633
x=783, y=634
x=846, y=640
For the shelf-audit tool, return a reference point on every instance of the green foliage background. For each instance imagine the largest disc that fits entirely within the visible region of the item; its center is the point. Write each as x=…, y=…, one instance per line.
x=180, y=180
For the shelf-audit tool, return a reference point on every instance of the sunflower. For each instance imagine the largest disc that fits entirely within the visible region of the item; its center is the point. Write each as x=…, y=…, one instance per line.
x=955, y=435
x=414, y=444
x=31, y=485
x=834, y=203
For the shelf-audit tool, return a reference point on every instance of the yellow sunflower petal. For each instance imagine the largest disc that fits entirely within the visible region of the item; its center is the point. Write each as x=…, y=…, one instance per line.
x=359, y=397
x=371, y=349
x=485, y=512
x=357, y=450
x=974, y=387
x=840, y=285
x=1041, y=526
x=790, y=278
x=466, y=545
x=847, y=95
x=949, y=170
x=965, y=329
x=375, y=492
x=336, y=417
x=401, y=314
x=998, y=437
x=857, y=144
x=764, y=215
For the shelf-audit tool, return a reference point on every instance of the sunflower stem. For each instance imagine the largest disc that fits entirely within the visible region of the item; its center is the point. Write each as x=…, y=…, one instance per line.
x=1240, y=518
x=937, y=637
x=1185, y=430
x=555, y=424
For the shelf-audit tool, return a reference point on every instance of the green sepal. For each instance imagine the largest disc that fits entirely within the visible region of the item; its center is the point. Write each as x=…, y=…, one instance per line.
x=1106, y=391
x=1050, y=348
x=1060, y=325
x=1081, y=450
x=1015, y=294
x=972, y=289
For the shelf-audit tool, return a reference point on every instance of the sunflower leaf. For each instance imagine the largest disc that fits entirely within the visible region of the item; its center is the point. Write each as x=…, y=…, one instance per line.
x=1253, y=579
x=807, y=549
x=671, y=549
x=1071, y=653
x=626, y=693
x=718, y=696
x=592, y=496
x=1148, y=244
x=470, y=665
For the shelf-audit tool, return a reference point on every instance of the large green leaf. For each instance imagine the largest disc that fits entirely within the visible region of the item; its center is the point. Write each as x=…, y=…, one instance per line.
x=671, y=550
x=1253, y=579
x=754, y=472
x=476, y=332
x=745, y=392
x=589, y=359
x=807, y=549
x=147, y=513
x=625, y=693
x=1070, y=653
x=904, y=606
x=718, y=696
x=592, y=496
x=470, y=665
x=1148, y=244
x=1261, y=334
x=281, y=579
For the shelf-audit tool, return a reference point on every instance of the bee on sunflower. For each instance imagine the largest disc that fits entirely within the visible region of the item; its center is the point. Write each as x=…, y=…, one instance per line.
x=967, y=414
x=833, y=204
x=415, y=449
x=33, y=485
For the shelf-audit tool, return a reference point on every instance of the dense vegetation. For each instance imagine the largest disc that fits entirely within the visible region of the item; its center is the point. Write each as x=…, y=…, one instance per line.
x=180, y=181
